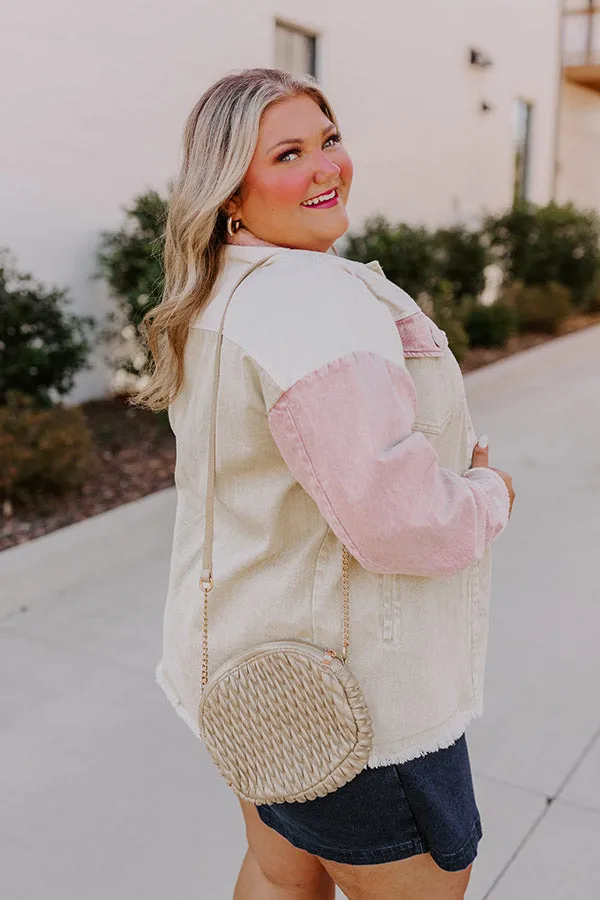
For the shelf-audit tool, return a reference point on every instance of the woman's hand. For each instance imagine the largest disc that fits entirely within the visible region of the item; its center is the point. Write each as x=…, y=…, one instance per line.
x=481, y=455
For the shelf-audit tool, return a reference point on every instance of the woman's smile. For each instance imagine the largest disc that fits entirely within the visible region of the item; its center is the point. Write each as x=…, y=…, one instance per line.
x=322, y=201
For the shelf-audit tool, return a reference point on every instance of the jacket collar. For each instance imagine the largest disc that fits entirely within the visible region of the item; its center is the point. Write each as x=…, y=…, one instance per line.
x=252, y=253
x=400, y=303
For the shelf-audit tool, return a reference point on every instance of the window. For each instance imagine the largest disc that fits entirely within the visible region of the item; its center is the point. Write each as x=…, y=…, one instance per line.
x=295, y=50
x=523, y=114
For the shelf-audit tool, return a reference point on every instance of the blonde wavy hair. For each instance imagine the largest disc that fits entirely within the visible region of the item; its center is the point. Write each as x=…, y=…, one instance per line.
x=219, y=141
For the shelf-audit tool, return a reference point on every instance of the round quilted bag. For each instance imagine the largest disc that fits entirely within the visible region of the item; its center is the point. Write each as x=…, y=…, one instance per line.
x=285, y=721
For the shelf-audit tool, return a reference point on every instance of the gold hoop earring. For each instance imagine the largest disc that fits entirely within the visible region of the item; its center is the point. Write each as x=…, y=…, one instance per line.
x=233, y=226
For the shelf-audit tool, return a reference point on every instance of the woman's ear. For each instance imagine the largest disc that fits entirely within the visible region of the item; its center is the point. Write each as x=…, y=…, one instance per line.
x=232, y=206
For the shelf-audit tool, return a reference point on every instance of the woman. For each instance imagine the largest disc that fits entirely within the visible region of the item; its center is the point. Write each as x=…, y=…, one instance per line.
x=341, y=419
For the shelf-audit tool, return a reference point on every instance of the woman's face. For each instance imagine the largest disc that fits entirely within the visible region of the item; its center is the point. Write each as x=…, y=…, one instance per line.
x=298, y=157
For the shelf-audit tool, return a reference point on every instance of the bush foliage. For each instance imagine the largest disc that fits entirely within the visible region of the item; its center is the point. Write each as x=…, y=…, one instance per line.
x=419, y=261
x=461, y=259
x=42, y=450
x=42, y=345
x=130, y=260
x=448, y=315
x=404, y=252
x=540, y=308
x=490, y=326
x=538, y=245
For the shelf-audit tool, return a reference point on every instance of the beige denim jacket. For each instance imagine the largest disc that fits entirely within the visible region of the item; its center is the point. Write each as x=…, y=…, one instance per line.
x=342, y=417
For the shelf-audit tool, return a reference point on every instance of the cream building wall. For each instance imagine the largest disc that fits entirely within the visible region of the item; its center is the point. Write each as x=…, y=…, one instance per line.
x=579, y=148
x=98, y=92
x=579, y=140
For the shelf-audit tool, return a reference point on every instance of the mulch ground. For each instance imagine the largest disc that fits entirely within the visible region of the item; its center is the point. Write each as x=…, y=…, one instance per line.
x=135, y=452
x=135, y=456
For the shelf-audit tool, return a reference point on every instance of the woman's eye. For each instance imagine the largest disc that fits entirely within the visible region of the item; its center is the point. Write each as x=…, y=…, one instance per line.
x=287, y=153
x=295, y=151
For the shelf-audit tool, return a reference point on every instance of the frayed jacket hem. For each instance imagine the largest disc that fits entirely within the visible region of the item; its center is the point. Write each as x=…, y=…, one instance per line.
x=438, y=738
x=175, y=702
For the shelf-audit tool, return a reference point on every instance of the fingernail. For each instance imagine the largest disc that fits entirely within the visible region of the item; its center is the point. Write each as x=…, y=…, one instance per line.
x=483, y=441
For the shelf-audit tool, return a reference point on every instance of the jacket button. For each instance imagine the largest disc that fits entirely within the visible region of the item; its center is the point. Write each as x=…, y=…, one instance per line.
x=437, y=340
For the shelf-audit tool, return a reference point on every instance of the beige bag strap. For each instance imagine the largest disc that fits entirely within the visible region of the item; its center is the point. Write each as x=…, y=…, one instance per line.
x=206, y=579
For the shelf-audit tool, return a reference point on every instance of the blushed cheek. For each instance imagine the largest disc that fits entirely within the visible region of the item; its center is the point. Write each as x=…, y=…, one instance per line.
x=273, y=190
x=289, y=187
x=346, y=169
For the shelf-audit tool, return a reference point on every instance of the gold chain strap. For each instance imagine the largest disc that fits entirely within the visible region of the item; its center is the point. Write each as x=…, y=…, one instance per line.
x=206, y=579
x=207, y=587
x=346, y=588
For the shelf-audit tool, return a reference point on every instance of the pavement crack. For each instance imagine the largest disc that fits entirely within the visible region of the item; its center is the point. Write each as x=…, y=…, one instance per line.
x=586, y=750
x=515, y=853
x=550, y=799
x=517, y=786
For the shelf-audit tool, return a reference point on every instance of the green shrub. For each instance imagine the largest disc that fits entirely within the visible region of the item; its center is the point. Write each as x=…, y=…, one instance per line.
x=490, y=326
x=418, y=260
x=458, y=339
x=540, y=309
x=461, y=258
x=130, y=260
x=42, y=451
x=42, y=346
x=537, y=245
x=593, y=304
x=405, y=253
x=448, y=315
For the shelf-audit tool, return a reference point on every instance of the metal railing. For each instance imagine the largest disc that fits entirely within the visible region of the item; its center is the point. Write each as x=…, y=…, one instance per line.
x=581, y=36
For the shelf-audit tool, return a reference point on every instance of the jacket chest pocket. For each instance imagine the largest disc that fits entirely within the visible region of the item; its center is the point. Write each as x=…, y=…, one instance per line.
x=434, y=370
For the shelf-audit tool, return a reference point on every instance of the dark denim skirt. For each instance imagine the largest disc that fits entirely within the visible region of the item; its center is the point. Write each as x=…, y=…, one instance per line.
x=426, y=805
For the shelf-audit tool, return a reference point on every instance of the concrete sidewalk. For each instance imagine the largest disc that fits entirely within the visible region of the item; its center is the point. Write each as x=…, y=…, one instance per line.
x=105, y=795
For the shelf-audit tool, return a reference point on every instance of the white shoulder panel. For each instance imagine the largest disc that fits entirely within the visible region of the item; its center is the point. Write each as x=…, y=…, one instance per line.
x=301, y=311
x=400, y=304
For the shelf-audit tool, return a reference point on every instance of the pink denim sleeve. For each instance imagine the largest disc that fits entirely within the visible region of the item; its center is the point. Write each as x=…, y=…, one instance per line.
x=345, y=432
